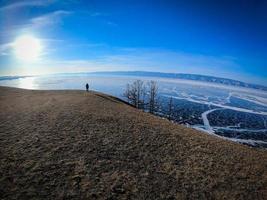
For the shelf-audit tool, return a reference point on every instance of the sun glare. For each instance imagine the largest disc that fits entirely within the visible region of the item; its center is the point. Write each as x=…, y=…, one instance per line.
x=27, y=48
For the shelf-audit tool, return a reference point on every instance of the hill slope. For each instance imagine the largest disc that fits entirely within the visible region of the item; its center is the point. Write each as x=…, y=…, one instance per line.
x=73, y=144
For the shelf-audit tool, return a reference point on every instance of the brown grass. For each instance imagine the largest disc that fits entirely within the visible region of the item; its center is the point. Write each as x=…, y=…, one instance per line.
x=78, y=145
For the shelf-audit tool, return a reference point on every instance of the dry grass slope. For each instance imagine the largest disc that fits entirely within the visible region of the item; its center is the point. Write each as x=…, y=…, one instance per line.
x=78, y=145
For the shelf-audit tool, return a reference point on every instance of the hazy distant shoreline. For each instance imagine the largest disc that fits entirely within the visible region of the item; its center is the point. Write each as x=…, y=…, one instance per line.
x=193, y=77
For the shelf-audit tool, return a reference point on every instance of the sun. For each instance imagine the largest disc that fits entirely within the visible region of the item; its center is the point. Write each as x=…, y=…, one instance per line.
x=27, y=48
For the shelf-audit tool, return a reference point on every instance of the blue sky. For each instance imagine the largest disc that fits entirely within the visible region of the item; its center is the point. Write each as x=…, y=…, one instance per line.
x=226, y=38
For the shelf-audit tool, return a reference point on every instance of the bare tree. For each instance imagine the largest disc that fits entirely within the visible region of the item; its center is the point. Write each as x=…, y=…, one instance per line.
x=153, y=96
x=135, y=93
x=170, y=109
x=141, y=91
x=129, y=94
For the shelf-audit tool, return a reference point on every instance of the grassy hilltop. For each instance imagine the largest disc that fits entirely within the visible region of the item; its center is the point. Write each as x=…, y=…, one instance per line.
x=78, y=145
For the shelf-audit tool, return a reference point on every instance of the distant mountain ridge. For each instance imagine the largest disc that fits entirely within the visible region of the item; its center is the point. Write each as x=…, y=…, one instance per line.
x=195, y=77
x=3, y=78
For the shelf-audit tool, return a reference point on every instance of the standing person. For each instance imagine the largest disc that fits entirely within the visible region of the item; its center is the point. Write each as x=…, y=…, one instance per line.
x=87, y=87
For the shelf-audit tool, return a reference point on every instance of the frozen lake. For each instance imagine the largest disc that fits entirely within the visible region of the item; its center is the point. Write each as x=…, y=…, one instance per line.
x=234, y=113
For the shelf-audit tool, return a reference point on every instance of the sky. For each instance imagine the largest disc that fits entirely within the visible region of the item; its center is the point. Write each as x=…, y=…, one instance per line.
x=224, y=38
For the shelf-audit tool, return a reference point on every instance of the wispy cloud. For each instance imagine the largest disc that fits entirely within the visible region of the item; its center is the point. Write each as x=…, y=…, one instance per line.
x=48, y=19
x=32, y=25
x=171, y=61
x=5, y=49
x=149, y=60
x=132, y=59
x=35, y=24
x=27, y=3
x=102, y=17
x=110, y=23
x=91, y=13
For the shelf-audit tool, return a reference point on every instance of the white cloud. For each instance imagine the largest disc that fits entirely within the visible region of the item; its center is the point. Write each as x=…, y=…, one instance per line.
x=34, y=24
x=148, y=60
x=140, y=59
x=110, y=23
x=171, y=61
x=5, y=48
x=26, y=3
x=48, y=19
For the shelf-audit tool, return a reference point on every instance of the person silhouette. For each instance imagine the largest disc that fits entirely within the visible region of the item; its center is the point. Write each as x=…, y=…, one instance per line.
x=87, y=87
